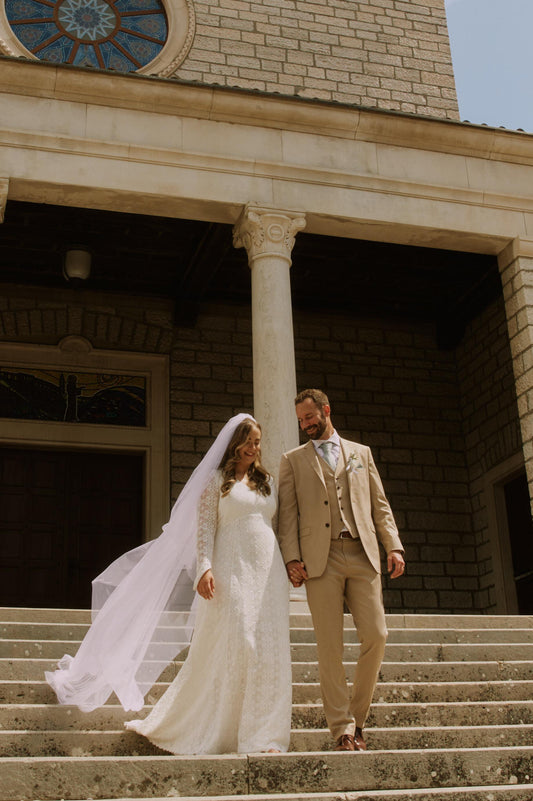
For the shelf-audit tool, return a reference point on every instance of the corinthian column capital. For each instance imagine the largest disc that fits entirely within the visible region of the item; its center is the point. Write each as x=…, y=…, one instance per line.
x=267, y=232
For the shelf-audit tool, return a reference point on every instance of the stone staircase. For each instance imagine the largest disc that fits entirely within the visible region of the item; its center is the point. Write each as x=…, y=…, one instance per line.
x=452, y=721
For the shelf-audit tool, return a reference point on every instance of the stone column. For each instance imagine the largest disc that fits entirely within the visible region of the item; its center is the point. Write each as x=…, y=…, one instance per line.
x=268, y=236
x=4, y=186
x=516, y=269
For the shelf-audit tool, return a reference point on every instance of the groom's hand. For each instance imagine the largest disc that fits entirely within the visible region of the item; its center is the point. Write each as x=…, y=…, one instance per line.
x=395, y=564
x=296, y=572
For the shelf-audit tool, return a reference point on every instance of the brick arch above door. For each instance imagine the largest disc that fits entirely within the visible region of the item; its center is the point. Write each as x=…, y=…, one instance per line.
x=121, y=327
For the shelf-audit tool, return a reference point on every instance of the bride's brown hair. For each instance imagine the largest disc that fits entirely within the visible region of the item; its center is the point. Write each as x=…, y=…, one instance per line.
x=258, y=477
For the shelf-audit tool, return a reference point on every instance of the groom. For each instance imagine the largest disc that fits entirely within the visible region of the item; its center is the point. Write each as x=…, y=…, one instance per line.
x=332, y=515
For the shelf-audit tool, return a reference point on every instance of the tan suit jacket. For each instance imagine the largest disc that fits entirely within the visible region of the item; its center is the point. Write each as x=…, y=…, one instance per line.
x=304, y=528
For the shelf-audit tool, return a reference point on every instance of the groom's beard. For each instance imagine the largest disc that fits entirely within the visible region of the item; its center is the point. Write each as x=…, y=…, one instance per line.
x=316, y=431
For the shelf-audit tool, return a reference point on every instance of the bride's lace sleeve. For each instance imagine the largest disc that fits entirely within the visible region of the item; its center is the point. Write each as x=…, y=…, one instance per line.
x=207, y=525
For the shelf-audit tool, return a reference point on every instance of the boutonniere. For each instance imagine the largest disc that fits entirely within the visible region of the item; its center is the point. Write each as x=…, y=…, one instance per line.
x=354, y=463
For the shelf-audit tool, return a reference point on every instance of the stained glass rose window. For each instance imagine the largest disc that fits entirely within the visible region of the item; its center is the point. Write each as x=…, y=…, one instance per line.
x=122, y=35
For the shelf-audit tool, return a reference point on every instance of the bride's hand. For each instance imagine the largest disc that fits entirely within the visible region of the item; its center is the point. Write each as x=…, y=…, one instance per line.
x=206, y=585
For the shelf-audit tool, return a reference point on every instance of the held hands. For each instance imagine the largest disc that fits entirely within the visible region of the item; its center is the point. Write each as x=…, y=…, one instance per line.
x=206, y=585
x=296, y=572
x=395, y=564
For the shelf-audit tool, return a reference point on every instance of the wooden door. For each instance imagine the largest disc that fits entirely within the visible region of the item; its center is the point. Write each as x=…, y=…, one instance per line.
x=64, y=516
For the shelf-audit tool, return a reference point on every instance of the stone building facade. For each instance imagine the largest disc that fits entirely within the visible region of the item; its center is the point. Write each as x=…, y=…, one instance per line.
x=382, y=54
x=260, y=134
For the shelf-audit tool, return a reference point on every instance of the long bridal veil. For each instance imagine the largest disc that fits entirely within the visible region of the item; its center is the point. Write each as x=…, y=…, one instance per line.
x=142, y=606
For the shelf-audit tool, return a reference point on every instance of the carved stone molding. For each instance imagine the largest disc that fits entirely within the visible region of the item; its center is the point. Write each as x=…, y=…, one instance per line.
x=181, y=21
x=181, y=32
x=267, y=232
x=74, y=344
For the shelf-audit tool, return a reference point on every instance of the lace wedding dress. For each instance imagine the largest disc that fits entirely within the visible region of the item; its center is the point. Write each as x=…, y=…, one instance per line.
x=233, y=693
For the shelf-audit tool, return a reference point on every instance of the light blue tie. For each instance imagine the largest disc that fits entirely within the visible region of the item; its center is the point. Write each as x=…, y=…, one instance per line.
x=327, y=452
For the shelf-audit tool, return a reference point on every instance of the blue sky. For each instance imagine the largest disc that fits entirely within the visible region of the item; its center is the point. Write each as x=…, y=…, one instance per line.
x=492, y=43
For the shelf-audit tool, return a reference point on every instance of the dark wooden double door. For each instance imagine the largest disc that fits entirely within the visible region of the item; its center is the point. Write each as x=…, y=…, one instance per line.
x=64, y=516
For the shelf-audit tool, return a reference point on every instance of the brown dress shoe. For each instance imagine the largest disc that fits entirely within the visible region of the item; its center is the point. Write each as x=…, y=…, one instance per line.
x=345, y=743
x=359, y=741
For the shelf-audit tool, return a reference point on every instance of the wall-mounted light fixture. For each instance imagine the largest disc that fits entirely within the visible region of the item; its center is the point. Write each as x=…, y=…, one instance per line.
x=77, y=265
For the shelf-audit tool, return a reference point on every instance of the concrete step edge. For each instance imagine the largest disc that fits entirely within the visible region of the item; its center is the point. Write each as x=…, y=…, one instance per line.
x=488, y=729
x=417, y=704
x=101, y=777
x=383, y=685
x=429, y=629
x=478, y=664
x=295, y=611
x=527, y=641
x=379, y=704
x=35, y=641
x=444, y=792
x=376, y=729
x=399, y=752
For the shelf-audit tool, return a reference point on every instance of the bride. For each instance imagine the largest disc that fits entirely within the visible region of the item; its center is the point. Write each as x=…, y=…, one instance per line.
x=233, y=693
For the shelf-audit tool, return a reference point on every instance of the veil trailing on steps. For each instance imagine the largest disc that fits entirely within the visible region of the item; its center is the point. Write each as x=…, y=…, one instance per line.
x=143, y=606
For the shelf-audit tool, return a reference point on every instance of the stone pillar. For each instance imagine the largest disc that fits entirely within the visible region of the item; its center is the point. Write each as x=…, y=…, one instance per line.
x=516, y=269
x=4, y=186
x=268, y=236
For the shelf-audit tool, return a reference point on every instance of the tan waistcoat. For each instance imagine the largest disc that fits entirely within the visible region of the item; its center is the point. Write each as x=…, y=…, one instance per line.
x=339, y=498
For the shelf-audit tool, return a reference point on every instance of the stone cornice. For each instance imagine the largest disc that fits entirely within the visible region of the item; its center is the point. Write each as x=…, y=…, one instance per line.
x=166, y=96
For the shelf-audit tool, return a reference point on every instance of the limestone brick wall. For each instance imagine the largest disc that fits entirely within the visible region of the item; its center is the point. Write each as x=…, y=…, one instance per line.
x=389, y=54
x=211, y=380
x=392, y=389
x=517, y=281
x=490, y=422
x=435, y=420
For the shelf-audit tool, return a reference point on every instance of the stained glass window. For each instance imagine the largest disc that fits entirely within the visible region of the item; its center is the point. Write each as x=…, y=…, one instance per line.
x=72, y=397
x=122, y=35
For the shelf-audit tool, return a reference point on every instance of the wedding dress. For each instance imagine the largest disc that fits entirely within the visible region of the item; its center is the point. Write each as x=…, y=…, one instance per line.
x=233, y=693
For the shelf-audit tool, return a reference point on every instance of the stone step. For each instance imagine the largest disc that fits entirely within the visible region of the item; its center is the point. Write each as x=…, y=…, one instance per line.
x=454, y=706
x=50, y=779
x=431, y=671
x=49, y=717
x=416, y=652
x=298, y=620
x=429, y=636
x=514, y=792
x=429, y=621
x=34, y=615
x=74, y=633
x=39, y=692
x=26, y=743
x=53, y=649
x=475, y=713
x=307, y=652
x=30, y=669
x=425, y=692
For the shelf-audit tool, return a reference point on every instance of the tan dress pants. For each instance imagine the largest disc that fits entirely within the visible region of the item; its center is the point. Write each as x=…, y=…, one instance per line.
x=349, y=577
